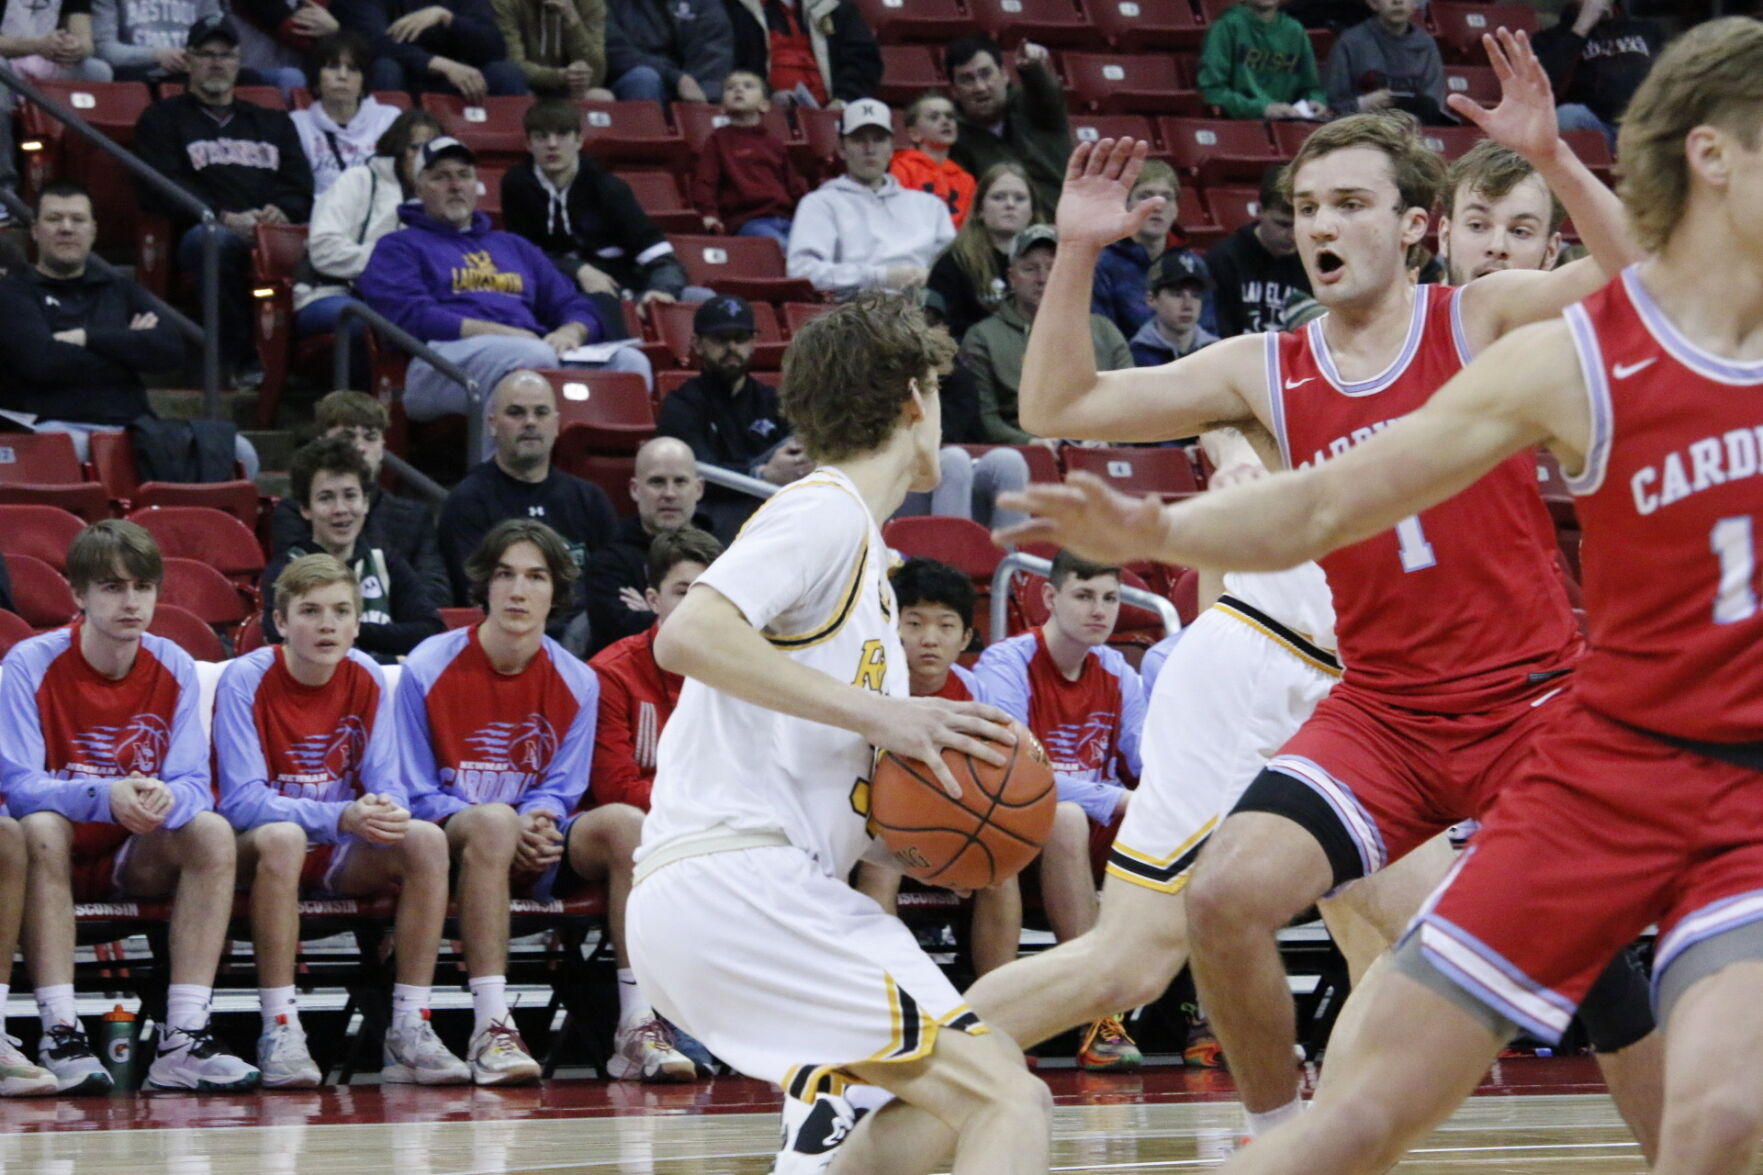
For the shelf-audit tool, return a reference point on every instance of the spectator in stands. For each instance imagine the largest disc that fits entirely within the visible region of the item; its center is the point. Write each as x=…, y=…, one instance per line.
x=1257, y=268
x=1119, y=293
x=393, y=524
x=744, y=182
x=1085, y=704
x=1257, y=63
x=1385, y=62
x=969, y=276
x=1003, y=122
x=337, y=821
x=1176, y=296
x=105, y=765
x=559, y=46
x=1596, y=56
x=677, y=49
x=143, y=40
x=50, y=39
x=925, y=166
x=819, y=49
x=343, y=128
x=730, y=419
x=862, y=230
x=277, y=37
x=435, y=46
x=243, y=160
x=1498, y=214
x=637, y=696
x=667, y=489
x=994, y=349
x=936, y=603
x=332, y=484
x=489, y=301
x=590, y=225
x=348, y=220
x=497, y=726
x=519, y=482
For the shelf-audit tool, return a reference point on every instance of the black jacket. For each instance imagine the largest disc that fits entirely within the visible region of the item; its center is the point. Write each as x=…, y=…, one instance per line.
x=671, y=37
x=1036, y=135
x=737, y=431
x=596, y=220
x=1253, y=284
x=622, y=563
x=393, y=524
x=964, y=305
x=245, y=158
x=851, y=49
x=1602, y=70
x=99, y=383
x=472, y=37
x=397, y=615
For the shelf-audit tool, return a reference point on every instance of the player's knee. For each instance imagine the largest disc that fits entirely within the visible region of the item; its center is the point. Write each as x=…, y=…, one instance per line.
x=207, y=844
x=1719, y=1115
x=425, y=848
x=1225, y=898
x=493, y=832
x=12, y=846
x=48, y=838
x=614, y=832
x=1070, y=837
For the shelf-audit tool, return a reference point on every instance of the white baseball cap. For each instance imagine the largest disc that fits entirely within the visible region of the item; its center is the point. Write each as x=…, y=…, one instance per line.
x=866, y=112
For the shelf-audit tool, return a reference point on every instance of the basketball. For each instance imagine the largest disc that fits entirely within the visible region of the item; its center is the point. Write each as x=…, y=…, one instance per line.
x=999, y=824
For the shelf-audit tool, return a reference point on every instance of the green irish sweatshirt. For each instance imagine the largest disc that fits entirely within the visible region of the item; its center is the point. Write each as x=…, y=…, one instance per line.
x=1248, y=62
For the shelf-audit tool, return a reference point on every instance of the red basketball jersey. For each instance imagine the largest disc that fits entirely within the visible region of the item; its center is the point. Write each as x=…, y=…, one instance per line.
x=1670, y=500
x=1460, y=608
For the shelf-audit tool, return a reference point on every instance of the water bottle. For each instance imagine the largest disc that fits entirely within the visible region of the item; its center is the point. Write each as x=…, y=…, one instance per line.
x=117, y=1046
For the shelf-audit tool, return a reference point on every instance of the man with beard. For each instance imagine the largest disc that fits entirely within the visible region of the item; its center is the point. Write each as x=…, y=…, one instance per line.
x=1000, y=122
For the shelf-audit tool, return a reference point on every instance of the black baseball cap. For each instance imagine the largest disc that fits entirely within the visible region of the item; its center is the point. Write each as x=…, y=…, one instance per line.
x=1179, y=267
x=212, y=28
x=443, y=147
x=724, y=313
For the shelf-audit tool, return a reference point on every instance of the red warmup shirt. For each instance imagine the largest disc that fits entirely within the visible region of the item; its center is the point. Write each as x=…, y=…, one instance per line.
x=637, y=698
x=743, y=173
x=792, y=55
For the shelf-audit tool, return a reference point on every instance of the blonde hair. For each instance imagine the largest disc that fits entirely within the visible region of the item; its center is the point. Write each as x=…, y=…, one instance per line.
x=972, y=248
x=1418, y=170
x=307, y=574
x=1156, y=171
x=1710, y=76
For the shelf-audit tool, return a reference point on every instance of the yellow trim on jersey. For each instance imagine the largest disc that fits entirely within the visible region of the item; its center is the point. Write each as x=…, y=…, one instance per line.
x=1164, y=862
x=1280, y=640
x=826, y=632
x=1173, y=886
x=1165, y=875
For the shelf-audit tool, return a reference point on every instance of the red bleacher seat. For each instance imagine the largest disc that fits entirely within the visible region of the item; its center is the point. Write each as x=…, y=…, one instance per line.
x=1059, y=23
x=1185, y=595
x=492, y=129
x=397, y=98
x=934, y=21
x=816, y=151
x=959, y=542
x=186, y=630
x=250, y=635
x=1593, y=150
x=113, y=108
x=113, y=459
x=1289, y=134
x=797, y=313
x=205, y=592
x=275, y=260
x=42, y=596
x=267, y=96
x=1451, y=141
x=1233, y=207
x=1140, y=84
x=659, y=197
x=208, y=536
x=1140, y=25
x=618, y=133
x=669, y=382
x=673, y=322
x=752, y=267
x=461, y=617
x=605, y=417
x=696, y=121
x=42, y=532
x=1089, y=128
x=1473, y=81
x=1219, y=150
x=1459, y=28
x=42, y=469
x=1164, y=471
x=907, y=72
x=13, y=628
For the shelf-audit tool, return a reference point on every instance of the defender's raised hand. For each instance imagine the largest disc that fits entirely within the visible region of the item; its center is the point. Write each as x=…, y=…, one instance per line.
x=1525, y=118
x=1092, y=205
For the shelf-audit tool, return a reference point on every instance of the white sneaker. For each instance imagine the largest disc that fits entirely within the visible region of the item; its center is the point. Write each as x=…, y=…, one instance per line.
x=187, y=1059
x=643, y=1050
x=20, y=1078
x=812, y=1134
x=416, y=1056
x=67, y=1054
x=498, y=1056
x=284, y=1059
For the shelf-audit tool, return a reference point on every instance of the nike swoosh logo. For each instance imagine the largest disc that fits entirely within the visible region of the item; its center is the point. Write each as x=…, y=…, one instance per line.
x=1624, y=370
x=1546, y=697
x=1298, y=383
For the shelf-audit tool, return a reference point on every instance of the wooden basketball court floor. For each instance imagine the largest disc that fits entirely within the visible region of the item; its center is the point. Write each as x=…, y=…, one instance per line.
x=1533, y=1115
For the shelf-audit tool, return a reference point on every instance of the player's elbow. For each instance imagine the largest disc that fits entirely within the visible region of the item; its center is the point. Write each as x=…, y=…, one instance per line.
x=673, y=643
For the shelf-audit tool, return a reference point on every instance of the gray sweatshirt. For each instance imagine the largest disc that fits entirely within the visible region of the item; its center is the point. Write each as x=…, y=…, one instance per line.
x=1409, y=64
x=126, y=32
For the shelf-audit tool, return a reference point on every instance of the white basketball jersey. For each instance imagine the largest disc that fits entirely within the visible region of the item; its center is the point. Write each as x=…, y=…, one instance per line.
x=1298, y=598
x=810, y=571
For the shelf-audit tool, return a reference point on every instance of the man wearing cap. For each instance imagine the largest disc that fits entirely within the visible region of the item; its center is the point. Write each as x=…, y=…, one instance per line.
x=994, y=348
x=243, y=160
x=1176, y=294
x=862, y=230
x=729, y=418
x=487, y=300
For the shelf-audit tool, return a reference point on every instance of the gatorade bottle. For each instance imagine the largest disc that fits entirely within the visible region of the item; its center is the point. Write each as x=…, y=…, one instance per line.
x=117, y=1045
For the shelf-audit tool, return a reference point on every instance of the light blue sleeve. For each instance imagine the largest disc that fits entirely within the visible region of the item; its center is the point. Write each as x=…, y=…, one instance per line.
x=247, y=799
x=29, y=785
x=416, y=752
x=1097, y=797
x=186, y=770
x=1002, y=674
x=1132, y=718
x=379, y=763
x=567, y=777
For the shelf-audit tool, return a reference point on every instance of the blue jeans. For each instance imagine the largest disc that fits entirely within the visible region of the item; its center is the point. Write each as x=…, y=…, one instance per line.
x=1575, y=116
x=641, y=84
x=775, y=227
x=235, y=287
x=500, y=77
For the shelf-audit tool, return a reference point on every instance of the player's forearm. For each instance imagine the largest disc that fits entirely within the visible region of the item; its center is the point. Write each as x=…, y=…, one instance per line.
x=1059, y=367
x=1595, y=210
x=1289, y=526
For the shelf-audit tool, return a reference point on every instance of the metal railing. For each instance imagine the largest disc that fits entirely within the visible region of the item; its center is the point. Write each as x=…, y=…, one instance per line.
x=417, y=349
x=1016, y=561
x=716, y=475
x=210, y=331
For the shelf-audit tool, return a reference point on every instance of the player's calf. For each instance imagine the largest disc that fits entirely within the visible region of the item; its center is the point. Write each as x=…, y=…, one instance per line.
x=271, y=860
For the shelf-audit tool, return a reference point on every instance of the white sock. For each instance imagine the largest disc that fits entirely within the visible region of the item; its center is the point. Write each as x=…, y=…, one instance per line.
x=632, y=1007
x=277, y=1003
x=55, y=1005
x=186, y=1006
x=1260, y=1124
x=409, y=1002
x=489, y=1000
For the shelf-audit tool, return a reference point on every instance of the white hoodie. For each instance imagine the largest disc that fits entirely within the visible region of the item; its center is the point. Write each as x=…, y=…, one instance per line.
x=347, y=221
x=846, y=236
x=333, y=149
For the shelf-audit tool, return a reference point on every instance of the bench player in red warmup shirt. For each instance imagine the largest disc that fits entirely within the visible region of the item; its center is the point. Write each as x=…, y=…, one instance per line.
x=1639, y=796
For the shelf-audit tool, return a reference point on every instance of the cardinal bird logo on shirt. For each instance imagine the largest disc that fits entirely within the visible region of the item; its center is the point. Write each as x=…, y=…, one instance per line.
x=509, y=757
x=138, y=747
x=326, y=764
x=1082, y=746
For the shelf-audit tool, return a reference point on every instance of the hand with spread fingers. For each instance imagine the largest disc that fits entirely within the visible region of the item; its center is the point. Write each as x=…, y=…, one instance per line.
x=1086, y=516
x=1524, y=121
x=919, y=728
x=1092, y=205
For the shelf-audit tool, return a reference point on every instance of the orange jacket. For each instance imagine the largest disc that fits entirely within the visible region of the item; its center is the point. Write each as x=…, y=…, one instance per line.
x=948, y=181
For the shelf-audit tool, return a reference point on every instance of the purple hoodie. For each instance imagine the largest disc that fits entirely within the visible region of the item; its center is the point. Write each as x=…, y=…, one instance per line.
x=428, y=277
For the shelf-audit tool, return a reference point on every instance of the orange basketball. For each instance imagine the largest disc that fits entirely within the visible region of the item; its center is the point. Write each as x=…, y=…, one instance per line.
x=999, y=824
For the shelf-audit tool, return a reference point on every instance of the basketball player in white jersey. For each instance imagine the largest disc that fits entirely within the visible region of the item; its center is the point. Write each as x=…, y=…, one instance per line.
x=743, y=929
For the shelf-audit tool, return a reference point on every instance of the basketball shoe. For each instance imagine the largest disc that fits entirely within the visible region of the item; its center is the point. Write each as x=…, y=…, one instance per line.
x=643, y=1050
x=416, y=1056
x=20, y=1078
x=195, y=1059
x=812, y=1134
x=283, y=1058
x=1202, y=1050
x=1108, y=1049
x=66, y=1053
x=498, y=1056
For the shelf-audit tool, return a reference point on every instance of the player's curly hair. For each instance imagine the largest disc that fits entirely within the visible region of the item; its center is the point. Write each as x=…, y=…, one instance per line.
x=849, y=371
x=1417, y=169
x=1710, y=76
